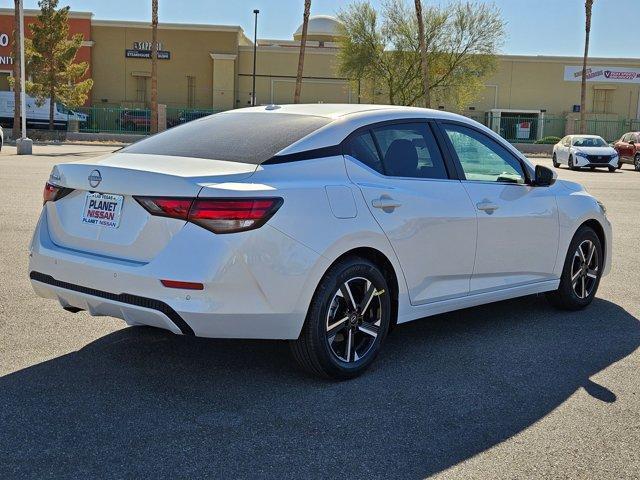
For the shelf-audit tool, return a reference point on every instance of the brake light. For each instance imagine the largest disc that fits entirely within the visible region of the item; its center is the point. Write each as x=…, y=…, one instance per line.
x=219, y=215
x=167, y=207
x=233, y=215
x=52, y=192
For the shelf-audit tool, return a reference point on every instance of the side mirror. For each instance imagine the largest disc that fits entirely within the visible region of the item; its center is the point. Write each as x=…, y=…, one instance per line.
x=544, y=177
x=632, y=142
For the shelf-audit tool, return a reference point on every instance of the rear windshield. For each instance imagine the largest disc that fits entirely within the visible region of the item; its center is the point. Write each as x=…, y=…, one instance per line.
x=235, y=137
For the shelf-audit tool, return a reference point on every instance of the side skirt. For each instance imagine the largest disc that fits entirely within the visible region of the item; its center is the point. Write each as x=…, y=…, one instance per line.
x=435, y=308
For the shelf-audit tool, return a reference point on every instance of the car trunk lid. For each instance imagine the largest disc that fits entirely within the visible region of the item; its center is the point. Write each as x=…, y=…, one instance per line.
x=101, y=215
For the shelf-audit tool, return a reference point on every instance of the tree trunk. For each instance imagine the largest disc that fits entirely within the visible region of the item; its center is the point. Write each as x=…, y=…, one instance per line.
x=303, y=44
x=588, y=4
x=423, y=55
x=154, y=66
x=16, y=71
x=52, y=99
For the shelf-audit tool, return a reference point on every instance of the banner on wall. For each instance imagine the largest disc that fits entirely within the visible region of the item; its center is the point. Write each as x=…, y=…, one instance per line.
x=603, y=74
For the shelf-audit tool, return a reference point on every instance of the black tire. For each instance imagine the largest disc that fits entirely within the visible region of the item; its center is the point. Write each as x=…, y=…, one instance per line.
x=571, y=165
x=574, y=296
x=636, y=162
x=555, y=161
x=593, y=169
x=336, y=357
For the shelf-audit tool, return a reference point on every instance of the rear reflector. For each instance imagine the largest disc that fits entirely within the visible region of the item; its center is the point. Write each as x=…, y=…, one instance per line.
x=52, y=193
x=183, y=285
x=219, y=215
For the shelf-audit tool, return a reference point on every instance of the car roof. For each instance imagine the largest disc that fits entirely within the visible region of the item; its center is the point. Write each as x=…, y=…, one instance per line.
x=335, y=111
x=344, y=119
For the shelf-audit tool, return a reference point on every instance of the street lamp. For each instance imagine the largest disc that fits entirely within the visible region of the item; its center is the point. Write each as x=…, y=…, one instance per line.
x=24, y=145
x=255, y=47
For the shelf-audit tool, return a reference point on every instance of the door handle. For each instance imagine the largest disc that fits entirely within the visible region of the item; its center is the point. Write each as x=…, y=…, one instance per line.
x=385, y=203
x=487, y=206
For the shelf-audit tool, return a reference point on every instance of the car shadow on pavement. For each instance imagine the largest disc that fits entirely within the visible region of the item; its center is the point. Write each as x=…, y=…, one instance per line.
x=144, y=403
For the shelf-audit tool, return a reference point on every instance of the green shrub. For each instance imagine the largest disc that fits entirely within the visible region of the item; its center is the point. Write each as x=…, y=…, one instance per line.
x=550, y=140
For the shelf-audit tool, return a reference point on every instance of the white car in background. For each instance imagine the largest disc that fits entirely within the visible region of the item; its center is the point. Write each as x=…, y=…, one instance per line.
x=578, y=151
x=321, y=224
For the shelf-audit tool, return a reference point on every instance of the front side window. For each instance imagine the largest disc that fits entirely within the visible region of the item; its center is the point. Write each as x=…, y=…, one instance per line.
x=483, y=159
x=409, y=150
x=566, y=142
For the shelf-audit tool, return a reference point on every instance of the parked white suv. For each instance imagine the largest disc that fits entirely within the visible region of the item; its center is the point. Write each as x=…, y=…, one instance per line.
x=321, y=224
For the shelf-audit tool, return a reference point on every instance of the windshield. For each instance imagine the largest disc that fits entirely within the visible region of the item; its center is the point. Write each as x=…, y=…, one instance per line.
x=250, y=137
x=589, y=142
x=62, y=109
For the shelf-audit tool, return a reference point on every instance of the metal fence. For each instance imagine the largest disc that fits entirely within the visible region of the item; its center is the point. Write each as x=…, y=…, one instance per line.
x=132, y=120
x=521, y=128
x=610, y=130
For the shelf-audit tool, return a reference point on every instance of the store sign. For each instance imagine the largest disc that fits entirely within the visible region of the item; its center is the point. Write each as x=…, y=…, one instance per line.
x=143, y=50
x=603, y=74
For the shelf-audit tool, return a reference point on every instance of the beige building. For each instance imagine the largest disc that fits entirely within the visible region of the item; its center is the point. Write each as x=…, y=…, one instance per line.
x=211, y=67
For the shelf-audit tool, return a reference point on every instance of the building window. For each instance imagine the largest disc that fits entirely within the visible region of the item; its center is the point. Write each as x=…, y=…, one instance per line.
x=602, y=100
x=191, y=91
x=141, y=89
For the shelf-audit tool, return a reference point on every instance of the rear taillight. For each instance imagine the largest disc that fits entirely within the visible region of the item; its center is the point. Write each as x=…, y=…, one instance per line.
x=166, y=207
x=52, y=193
x=219, y=215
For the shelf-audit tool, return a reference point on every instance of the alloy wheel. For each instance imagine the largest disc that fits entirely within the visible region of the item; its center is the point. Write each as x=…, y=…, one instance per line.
x=584, y=269
x=354, y=319
x=636, y=163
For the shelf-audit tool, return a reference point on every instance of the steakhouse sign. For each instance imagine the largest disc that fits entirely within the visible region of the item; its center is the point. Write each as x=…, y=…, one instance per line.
x=603, y=74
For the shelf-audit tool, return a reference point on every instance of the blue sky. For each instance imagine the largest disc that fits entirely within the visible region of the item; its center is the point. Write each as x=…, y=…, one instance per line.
x=534, y=27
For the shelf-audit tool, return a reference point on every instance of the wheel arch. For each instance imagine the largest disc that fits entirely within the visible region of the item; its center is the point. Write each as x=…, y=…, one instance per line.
x=597, y=227
x=381, y=260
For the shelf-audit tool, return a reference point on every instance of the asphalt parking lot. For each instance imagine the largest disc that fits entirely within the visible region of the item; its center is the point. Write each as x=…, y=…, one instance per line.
x=514, y=389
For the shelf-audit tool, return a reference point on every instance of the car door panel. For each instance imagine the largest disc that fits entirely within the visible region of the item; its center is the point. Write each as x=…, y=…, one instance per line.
x=430, y=222
x=518, y=240
x=432, y=230
x=518, y=224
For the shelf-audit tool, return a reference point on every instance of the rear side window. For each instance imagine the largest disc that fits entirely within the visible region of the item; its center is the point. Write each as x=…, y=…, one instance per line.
x=399, y=150
x=362, y=147
x=235, y=137
x=409, y=150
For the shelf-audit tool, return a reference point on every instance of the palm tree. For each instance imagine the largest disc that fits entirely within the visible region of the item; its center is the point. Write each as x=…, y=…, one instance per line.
x=423, y=54
x=16, y=71
x=588, y=5
x=154, y=66
x=303, y=43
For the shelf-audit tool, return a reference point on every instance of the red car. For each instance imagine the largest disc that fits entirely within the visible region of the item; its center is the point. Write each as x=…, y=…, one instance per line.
x=628, y=148
x=135, y=120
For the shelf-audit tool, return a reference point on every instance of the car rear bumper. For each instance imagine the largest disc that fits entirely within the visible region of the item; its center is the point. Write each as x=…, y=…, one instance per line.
x=255, y=286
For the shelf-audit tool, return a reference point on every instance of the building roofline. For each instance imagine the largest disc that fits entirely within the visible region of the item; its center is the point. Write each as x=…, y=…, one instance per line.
x=34, y=12
x=168, y=26
x=562, y=58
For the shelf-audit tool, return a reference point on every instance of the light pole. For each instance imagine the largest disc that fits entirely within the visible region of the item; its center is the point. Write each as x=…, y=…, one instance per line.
x=255, y=48
x=24, y=145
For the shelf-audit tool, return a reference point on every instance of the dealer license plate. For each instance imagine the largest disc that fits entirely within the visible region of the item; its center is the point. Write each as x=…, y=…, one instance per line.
x=102, y=209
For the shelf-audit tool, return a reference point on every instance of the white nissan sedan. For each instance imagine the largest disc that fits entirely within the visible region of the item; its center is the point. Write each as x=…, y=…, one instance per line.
x=325, y=225
x=578, y=151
